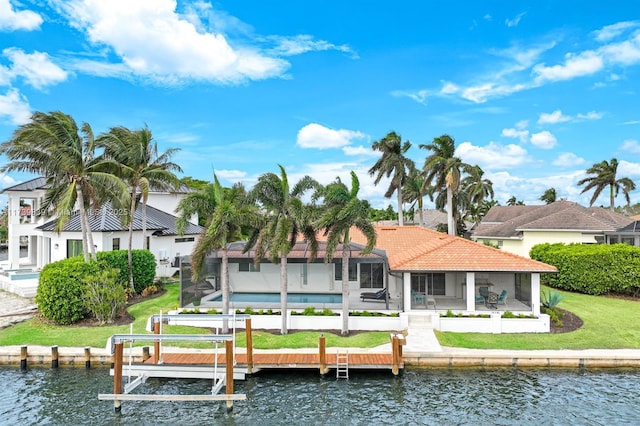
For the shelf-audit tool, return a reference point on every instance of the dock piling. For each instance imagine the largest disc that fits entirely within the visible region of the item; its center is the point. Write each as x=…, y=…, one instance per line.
x=156, y=344
x=395, y=350
x=145, y=353
x=323, y=354
x=117, y=376
x=228, y=384
x=249, y=337
x=23, y=358
x=87, y=357
x=54, y=356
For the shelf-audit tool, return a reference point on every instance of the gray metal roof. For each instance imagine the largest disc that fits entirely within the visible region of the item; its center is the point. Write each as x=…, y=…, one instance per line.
x=30, y=185
x=107, y=219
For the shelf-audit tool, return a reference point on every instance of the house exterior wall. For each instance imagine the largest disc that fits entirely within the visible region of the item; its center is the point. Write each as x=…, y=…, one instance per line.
x=521, y=247
x=267, y=279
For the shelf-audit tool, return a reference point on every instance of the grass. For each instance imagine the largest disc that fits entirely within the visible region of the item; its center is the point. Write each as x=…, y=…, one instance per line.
x=38, y=332
x=609, y=323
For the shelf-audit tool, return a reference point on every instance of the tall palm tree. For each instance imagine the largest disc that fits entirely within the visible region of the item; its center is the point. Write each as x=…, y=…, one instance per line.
x=414, y=191
x=201, y=203
x=142, y=168
x=444, y=168
x=52, y=145
x=513, y=201
x=392, y=162
x=549, y=196
x=286, y=217
x=233, y=211
x=342, y=210
x=604, y=175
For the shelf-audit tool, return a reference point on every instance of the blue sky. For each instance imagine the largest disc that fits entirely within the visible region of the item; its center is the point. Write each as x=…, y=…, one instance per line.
x=534, y=92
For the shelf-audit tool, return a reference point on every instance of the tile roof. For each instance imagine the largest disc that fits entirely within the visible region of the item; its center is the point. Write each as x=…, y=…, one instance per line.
x=415, y=248
x=106, y=219
x=510, y=221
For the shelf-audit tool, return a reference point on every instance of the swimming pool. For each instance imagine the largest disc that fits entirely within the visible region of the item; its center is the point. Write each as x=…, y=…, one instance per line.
x=275, y=298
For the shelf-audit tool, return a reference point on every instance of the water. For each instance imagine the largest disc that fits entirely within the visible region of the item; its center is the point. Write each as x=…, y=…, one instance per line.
x=68, y=396
x=275, y=298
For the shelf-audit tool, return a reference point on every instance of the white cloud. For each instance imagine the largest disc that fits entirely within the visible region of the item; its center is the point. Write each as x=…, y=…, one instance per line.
x=158, y=44
x=420, y=96
x=15, y=107
x=591, y=115
x=317, y=136
x=231, y=175
x=629, y=169
x=523, y=135
x=626, y=52
x=493, y=156
x=552, y=118
x=544, y=139
x=631, y=145
x=288, y=46
x=36, y=68
x=359, y=151
x=515, y=21
x=609, y=32
x=12, y=20
x=568, y=159
x=584, y=63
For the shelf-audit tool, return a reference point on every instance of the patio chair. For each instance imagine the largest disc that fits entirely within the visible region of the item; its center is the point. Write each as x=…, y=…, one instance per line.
x=484, y=291
x=502, y=299
x=418, y=297
x=480, y=299
x=375, y=295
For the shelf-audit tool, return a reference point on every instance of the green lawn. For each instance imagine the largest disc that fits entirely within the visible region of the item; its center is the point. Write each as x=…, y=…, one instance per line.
x=609, y=323
x=38, y=332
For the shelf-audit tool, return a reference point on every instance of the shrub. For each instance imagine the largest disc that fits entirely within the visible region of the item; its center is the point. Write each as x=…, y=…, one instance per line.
x=144, y=266
x=103, y=295
x=551, y=299
x=60, y=289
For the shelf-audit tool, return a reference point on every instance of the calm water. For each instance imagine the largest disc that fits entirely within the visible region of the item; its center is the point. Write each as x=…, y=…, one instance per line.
x=68, y=396
x=291, y=298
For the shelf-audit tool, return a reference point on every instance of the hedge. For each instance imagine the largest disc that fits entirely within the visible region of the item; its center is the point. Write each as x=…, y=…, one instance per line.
x=591, y=268
x=144, y=266
x=61, y=290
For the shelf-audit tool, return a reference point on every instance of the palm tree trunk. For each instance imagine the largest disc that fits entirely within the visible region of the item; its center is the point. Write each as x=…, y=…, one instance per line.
x=144, y=225
x=225, y=287
x=283, y=293
x=612, y=198
x=132, y=210
x=420, y=212
x=400, y=212
x=83, y=223
x=345, y=288
x=92, y=247
x=450, y=222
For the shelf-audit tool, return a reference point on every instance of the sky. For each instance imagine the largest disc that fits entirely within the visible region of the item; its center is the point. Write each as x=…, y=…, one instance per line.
x=534, y=92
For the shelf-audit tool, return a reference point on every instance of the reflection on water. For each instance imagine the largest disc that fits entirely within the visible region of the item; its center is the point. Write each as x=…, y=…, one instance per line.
x=448, y=397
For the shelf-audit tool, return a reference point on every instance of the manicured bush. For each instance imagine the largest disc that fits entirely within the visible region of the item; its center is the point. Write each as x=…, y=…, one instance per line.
x=103, y=295
x=591, y=268
x=60, y=289
x=144, y=266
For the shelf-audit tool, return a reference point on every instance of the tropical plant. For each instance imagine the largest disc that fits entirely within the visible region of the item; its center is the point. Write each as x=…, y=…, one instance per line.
x=52, y=145
x=392, y=162
x=104, y=296
x=140, y=165
x=201, y=203
x=342, y=210
x=603, y=175
x=414, y=191
x=286, y=218
x=233, y=210
x=549, y=196
x=513, y=201
x=551, y=299
x=442, y=169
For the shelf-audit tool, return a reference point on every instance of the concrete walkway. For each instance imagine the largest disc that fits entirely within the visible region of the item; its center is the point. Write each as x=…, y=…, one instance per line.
x=14, y=308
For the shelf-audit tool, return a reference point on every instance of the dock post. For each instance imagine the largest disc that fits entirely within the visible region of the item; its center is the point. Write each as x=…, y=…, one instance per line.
x=145, y=353
x=117, y=376
x=87, y=357
x=228, y=384
x=54, y=356
x=322, y=347
x=23, y=358
x=156, y=344
x=249, y=336
x=395, y=368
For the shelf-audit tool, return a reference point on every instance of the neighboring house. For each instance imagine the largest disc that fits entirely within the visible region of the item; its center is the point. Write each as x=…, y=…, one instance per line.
x=517, y=229
x=45, y=245
x=629, y=234
x=431, y=218
x=421, y=268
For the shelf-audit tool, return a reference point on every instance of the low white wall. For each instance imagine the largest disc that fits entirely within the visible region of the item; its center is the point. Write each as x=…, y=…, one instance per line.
x=494, y=324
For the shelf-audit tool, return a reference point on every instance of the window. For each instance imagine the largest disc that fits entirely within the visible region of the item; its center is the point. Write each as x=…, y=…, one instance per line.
x=248, y=267
x=432, y=284
x=353, y=271
x=627, y=240
x=115, y=244
x=74, y=248
x=146, y=243
x=185, y=239
x=305, y=274
x=371, y=275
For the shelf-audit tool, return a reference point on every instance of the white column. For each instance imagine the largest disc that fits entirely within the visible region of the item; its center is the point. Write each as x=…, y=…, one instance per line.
x=471, y=291
x=406, y=293
x=13, y=243
x=535, y=293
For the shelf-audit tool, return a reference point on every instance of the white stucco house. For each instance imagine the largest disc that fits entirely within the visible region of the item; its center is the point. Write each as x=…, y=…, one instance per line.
x=33, y=241
x=517, y=229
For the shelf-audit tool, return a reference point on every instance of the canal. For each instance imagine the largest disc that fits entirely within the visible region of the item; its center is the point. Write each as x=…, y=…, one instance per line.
x=68, y=396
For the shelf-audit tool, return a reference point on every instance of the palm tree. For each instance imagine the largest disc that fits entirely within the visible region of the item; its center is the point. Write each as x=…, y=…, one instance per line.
x=342, y=211
x=142, y=168
x=549, y=196
x=286, y=217
x=414, y=191
x=392, y=161
x=604, y=175
x=201, y=203
x=233, y=210
x=513, y=201
x=443, y=167
x=52, y=145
